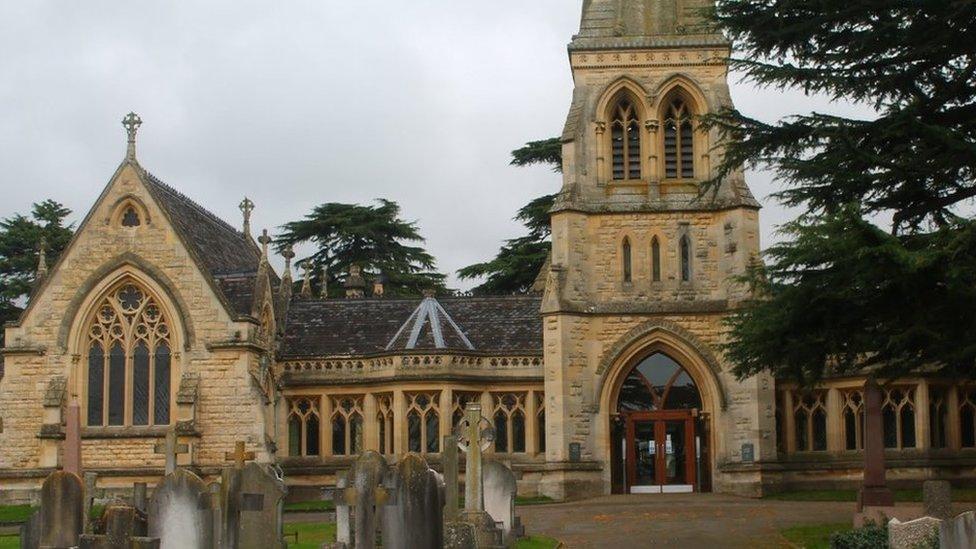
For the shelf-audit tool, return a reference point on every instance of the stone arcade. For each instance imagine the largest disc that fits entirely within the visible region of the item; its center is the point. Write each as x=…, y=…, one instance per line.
x=609, y=378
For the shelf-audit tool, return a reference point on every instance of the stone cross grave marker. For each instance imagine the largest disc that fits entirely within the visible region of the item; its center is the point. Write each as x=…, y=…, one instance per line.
x=180, y=513
x=474, y=435
x=874, y=492
x=61, y=511
x=72, y=438
x=416, y=521
x=239, y=456
x=171, y=449
x=450, y=459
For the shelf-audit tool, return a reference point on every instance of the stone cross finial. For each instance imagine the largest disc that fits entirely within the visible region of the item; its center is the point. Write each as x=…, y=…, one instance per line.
x=264, y=239
x=324, y=291
x=474, y=434
x=131, y=122
x=42, y=258
x=247, y=206
x=171, y=449
x=307, y=279
x=288, y=254
x=239, y=456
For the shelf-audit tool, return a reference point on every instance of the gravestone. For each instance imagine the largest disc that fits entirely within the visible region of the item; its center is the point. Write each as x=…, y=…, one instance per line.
x=937, y=498
x=91, y=491
x=72, y=438
x=450, y=459
x=217, y=512
x=500, y=490
x=343, y=527
x=253, y=503
x=363, y=494
x=416, y=521
x=124, y=529
x=874, y=491
x=139, y=496
x=912, y=534
x=171, y=448
x=180, y=514
x=61, y=513
x=474, y=435
x=30, y=532
x=958, y=532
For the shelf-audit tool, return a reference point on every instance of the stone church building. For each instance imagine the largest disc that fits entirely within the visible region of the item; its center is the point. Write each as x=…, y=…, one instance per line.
x=609, y=378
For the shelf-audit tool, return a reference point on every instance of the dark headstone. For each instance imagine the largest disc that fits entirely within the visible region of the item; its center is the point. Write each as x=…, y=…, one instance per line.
x=124, y=526
x=180, y=514
x=364, y=493
x=62, y=501
x=416, y=520
x=30, y=532
x=937, y=498
x=874, y=492
x=253, y=503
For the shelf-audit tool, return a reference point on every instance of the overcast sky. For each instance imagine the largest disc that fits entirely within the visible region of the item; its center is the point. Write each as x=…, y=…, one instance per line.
x=295, y=103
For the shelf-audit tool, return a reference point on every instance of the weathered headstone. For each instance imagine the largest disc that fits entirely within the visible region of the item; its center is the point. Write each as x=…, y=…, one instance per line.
x=180, y=514
x=253, y=503
x=912, y=534
x=937, y=498
x=343, y=526
x=139, y=500
x=874, y=492
x=91, y=491
x=61, y=513
x=217, y=512
x=450, y=459
x=958, y=532
x=416, y=521
x=362, y=496
x=124, y=529
x=500, y=490
x=171, y=448
x=30, y=532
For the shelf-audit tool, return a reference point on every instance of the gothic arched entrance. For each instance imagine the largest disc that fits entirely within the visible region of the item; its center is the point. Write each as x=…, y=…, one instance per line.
x=659, y=437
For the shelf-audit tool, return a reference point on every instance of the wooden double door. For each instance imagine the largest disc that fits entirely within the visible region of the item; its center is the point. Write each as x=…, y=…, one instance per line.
x=661, y=453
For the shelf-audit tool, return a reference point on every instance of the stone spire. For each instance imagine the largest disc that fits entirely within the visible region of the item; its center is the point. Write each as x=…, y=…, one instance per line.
x=131, y=122
x=379, y=285
x=288, y=254
x=264, y=239
x=41, y=260
x=324, y=291
x=246, y=207
x=355, y=284
x=307, y=280
x=614, y=23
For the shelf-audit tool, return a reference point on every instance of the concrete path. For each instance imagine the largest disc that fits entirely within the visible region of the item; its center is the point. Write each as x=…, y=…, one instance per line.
x=687, y=521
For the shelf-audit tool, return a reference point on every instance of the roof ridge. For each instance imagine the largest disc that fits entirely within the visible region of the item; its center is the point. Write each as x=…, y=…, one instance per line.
x=207, y=213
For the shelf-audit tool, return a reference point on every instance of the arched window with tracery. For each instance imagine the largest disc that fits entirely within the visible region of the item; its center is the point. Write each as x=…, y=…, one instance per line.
x=684, y=250
x=854, y=420
x=509, y=419
x=967, y=416
x=347, y=425
x=129, y=362
x=679, y=142
x=423, y=423
x=461, y=400
x=810, y=421
x=541, y=413
x=303, y=426
x=625, y=140
x=625, y=253
x=898, y=417
x=658, y=383
x=384, y=422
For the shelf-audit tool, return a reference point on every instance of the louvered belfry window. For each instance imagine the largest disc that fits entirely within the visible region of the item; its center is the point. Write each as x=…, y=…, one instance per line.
x=679, y=154
x=129, y=360
x=626, y=142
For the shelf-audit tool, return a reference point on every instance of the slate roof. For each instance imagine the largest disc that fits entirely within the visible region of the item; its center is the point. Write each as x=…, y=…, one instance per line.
x=227, y=255
x=430, y=327
x=354, y=327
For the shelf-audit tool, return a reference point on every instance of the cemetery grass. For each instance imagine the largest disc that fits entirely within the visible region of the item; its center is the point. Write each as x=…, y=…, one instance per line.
x=913, y=496
x=310, y=507
x=10, y=514
x=311, y=535
x=813, y=536
x=536, y=542
x=9, y=542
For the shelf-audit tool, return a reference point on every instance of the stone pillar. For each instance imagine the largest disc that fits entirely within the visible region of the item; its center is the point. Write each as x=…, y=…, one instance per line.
x=789, y=422
x=531, y=424
x=72, y=439
x=399, y=422
x=449, y=453
x=487, y=410
x=282, y=406
x=325, y=425
x=923, y=436
x=953, y=428
x=835, y=420
x=371, y=431
x=447, y=413
x=874, y=492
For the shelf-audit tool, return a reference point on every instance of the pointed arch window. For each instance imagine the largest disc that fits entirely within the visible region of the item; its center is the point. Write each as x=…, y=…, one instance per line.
x=625, y=141
x=679, y=154
x=684, y=250
x=655, y=260
x=658, y=383
x=303, y=427
x=625, y=254
x=129, y=360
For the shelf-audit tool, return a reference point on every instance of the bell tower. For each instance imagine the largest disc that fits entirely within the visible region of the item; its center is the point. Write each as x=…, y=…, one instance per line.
x=640, y=247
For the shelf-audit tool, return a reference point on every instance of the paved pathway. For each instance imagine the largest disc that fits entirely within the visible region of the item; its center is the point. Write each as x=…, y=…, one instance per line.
x=687, y=521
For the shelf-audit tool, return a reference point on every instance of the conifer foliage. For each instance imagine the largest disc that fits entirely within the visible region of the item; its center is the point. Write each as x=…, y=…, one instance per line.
x=880, y=269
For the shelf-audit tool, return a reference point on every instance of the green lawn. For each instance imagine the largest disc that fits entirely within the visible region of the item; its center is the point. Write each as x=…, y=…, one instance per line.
x=15, y=513
x=816, y=536
x=958, y=494
x=310, y=506
x=533, y=500
x=310, y=536
x=536, y=542
x=9, y=542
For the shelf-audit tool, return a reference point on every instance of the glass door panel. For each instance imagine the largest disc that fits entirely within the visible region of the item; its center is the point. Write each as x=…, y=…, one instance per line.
x=645, y=445
x=675, y=453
